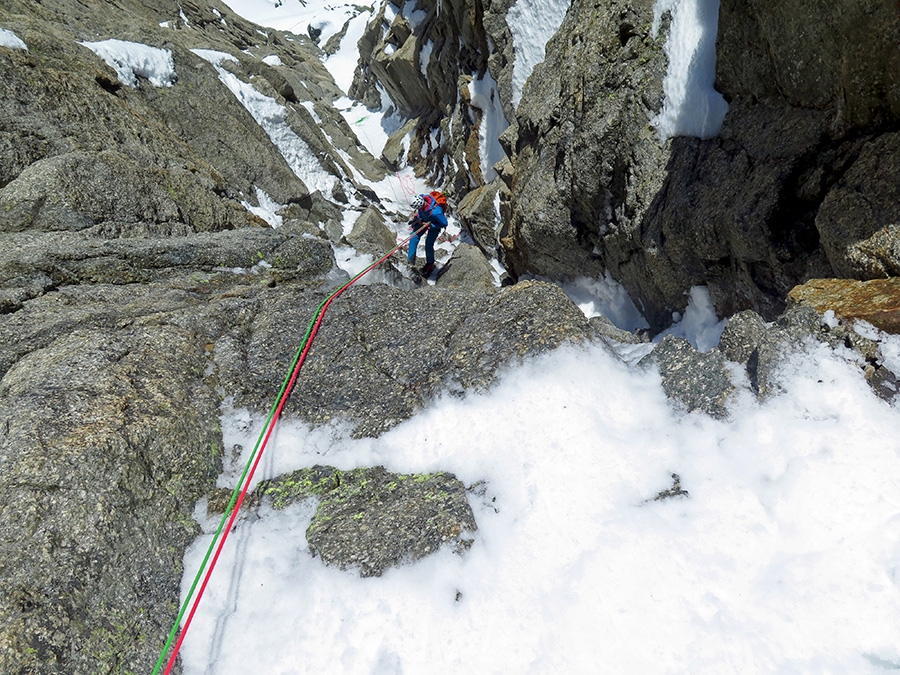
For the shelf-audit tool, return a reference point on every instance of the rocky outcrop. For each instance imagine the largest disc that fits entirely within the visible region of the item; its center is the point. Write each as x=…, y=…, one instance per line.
x=479, y=217
x=846, y=60
x=794, y=331
x=161, y=159
x=383, y=352
x=703, y=382
x=427, y=56
x=371, y=520
x=859, y=218
x=585, y=156
x=110, y=436
x=876, y=302
x=697, y=381
x=777, y=198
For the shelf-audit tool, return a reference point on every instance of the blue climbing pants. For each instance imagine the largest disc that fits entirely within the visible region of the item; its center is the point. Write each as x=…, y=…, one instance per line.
x=430, y=237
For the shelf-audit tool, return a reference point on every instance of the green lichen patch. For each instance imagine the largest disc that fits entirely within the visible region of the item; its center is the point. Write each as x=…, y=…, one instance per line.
x=301, y=484
x=371, y=519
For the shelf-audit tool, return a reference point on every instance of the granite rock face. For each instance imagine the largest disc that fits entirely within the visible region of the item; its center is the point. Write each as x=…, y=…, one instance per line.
x=798, y=184
x=440, y=62
x=137, y=288
x=142, y=277
x=384, y=352
x=585, y=160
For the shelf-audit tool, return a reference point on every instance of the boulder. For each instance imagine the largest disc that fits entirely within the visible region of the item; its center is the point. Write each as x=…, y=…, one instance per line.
x=394, y=151
x=467, y=268
x=370, y=519
x=876, y=301
x=371, y=235
x=742, y=336
x=697, y=381
x=607, y=331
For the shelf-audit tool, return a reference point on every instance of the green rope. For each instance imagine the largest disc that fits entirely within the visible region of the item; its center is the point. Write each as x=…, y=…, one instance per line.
x=256, y=449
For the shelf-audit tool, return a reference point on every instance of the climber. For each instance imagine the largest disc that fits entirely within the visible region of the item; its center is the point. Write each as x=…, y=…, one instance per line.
x=430, y=212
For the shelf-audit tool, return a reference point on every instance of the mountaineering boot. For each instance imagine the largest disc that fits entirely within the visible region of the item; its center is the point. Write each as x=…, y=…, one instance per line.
x=427, y=269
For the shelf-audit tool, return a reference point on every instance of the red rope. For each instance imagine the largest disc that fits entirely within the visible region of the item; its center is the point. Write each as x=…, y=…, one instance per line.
x=274, y=419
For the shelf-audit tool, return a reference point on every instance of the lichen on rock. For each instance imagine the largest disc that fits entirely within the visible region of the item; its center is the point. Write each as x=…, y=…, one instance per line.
x=370, y=519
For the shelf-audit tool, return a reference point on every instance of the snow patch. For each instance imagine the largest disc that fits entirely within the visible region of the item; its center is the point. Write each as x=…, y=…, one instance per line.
x=267, y=210
x=131, y=60
x=272, y=117
x=692, y=106
x=413, y=15
x=272, y=60
x=486, y=97
x=532, y=24
x=425, y=58
x=11, y=40
x=605, y=297
x=700, y=326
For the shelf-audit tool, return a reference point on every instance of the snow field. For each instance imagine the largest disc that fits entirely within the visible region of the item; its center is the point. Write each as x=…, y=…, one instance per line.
x=783, y=558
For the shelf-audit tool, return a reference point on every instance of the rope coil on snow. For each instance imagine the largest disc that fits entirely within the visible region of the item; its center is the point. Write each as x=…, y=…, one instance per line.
x=240, y=491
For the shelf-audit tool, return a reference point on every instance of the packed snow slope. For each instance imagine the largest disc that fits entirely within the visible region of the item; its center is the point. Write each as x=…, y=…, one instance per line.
x=780, y=556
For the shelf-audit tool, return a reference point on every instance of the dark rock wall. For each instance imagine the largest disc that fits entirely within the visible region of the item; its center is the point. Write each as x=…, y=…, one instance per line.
x=840, y=56
x=586, y=162
x=767, y=204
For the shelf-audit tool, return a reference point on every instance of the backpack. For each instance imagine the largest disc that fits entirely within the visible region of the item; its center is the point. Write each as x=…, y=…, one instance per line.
x=441, y=200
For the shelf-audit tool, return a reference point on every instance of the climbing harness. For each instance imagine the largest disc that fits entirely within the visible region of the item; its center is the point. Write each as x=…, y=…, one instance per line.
x=240, y=490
